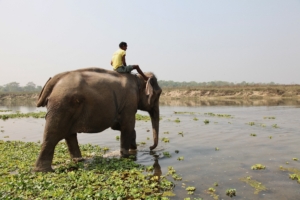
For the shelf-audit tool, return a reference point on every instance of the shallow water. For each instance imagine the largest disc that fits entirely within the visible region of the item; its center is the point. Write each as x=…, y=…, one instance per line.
x=203, y=165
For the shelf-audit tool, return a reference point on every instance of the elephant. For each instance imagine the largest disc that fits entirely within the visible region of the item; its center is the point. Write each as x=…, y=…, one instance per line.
x=91, y=100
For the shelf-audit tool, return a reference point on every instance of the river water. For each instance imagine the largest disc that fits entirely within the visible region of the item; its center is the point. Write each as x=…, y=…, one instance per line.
x=221, y=151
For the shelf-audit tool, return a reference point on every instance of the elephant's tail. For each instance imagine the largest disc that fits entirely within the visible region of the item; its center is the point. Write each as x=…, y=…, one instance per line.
x=47, y=89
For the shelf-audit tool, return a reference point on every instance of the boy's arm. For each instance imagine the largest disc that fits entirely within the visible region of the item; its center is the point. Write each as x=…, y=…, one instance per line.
x=124, y=60
x=111, y=63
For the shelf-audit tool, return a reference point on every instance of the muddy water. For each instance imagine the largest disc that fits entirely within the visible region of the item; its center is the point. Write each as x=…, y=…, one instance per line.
x=203, y=165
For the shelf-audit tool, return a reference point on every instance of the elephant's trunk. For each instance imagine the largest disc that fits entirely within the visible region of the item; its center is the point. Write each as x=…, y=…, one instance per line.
x=154, y=114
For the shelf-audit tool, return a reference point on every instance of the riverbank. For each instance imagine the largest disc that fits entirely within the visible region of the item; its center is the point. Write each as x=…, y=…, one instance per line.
x=220, y=92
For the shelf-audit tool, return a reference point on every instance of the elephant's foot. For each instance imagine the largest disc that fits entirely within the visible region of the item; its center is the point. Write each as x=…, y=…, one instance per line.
x=43, y=169
x=124, y=152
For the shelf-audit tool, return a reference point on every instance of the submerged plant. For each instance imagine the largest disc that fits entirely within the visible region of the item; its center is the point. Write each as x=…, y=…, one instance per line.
x=255, y=184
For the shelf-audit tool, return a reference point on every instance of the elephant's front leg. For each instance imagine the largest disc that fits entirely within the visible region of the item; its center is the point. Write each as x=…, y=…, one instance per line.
x=133, y=145
x=127, y=134
x=73, y=147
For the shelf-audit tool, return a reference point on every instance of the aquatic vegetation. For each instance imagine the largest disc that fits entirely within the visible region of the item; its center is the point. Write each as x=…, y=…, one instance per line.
x=217, y=149
x=148, y=138
x=142, y=117
x=251, y=123
x=167, y=154
x=165, y=140
x=176, y=151
x=258, y=167
x=275, y=126
x=2, y=131
x=295, y=175
x=97, y=178
x=171, y=170
x=253, y=134
x=117, y=137
x=190, y=189
x=177, y=120
x=212, y=192
x=231, y=192
x=269, y=117
x=206, y=121
x=262, y=125
x=176, y=177
x=23, y=115
x=167, y=132
x=42, y=114
x=295, y=159
x=255, y=184
x=6, y=136
x=218, y=115
x=192, y=113
x=142, y=143
x=5, y=110
x=180, y=133
x=180, y=158
x=195, y=119
x=270, y=137
x=216, y=184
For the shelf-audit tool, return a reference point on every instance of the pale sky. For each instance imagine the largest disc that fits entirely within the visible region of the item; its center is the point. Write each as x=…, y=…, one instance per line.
x=208, y=40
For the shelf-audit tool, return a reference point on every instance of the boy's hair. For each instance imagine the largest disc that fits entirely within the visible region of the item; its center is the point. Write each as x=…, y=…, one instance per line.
x=122, y=44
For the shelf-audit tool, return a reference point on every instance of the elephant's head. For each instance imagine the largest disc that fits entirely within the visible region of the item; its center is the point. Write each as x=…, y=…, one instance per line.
x=150, y=103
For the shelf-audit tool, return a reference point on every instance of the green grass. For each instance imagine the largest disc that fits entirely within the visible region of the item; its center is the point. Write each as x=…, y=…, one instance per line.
x=99, y=178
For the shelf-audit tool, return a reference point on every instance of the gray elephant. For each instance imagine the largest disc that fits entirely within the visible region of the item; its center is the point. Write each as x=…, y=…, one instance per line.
x=91, y=100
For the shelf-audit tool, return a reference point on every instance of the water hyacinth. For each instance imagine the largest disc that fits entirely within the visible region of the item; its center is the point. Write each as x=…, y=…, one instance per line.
x=96, y=178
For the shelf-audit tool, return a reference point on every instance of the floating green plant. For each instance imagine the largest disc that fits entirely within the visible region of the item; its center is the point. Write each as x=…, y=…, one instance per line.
x=165, y=140
x=231, y=192
x=192, y=113
x=190, y=189
x=295, y=177
x=97, y=178
x=23, y=115
x=142, y=117
x=262, y=125
x=177, y=120
x=180, y=133
x=148, y=138
x=176, y=151
x=167, y=132
x=195, y=119
x=5, y=110
x=270, y=137
x=258, y=167
x=6, y=136
x=117, y=137
x=180, y=158
x=275, y=126
x=142, y=143
x=251, y=123
x=212, y=192
x=2, y=131
x=171, y=170
x=206, y=121
x=295, y=159
x=253, y=134
x=269, y=117
x=255, y=184
x=218, y=115
x=176, y=177
x=217, y=149
x=167, y=154
x=216, y=184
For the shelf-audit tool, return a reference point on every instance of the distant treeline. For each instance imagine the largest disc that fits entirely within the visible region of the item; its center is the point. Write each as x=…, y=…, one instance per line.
x=15, y=87
x=174, y=84
x=32, y=87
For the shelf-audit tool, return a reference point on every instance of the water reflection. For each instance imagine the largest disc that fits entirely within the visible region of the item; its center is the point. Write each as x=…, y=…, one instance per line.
x=229, y=102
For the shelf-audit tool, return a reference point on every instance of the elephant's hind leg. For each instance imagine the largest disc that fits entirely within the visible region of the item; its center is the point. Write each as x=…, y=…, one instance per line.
x=73, y=147
x=44, y=161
